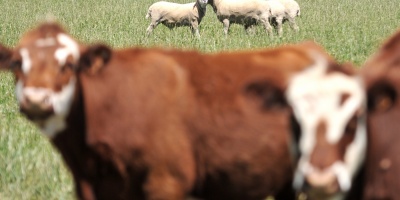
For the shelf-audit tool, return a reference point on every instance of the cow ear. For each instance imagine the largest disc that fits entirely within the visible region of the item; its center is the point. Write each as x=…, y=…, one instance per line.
x=5, y=56
x=388, y=54
x=94, y=58
x=267, y=95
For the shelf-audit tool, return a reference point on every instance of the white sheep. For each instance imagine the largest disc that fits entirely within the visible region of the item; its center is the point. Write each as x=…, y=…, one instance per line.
x=277, y=14
x=292, y=10
x=176, y=15
x=244, y=12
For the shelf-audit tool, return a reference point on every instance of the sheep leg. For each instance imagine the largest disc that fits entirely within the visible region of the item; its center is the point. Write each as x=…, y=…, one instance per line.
x=151, y=27
x=195, y=29
x=226, y=26
x=267, y=25
x=278, y=21
x=292, y=24
x=249, y=29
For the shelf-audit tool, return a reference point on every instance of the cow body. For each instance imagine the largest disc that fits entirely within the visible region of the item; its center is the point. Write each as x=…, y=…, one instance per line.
x=198, y=119
x=161, y=124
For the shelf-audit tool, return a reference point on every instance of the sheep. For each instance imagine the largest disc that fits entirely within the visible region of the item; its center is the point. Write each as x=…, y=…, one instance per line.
x=277, y=14
x=292, y=10
x=176, y=15
x=245, y=12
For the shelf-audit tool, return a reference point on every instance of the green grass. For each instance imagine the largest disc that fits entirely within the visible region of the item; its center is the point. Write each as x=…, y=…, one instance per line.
x=30, y=168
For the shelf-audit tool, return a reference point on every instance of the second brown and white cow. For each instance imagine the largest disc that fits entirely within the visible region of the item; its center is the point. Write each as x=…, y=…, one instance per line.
x=329, y=107
x=161, y=124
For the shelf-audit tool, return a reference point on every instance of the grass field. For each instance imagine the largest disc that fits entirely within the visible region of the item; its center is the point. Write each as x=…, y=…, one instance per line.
x=29, y=166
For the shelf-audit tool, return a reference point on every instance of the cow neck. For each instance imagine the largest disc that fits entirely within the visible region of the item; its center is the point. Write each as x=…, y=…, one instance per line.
x=72, y=138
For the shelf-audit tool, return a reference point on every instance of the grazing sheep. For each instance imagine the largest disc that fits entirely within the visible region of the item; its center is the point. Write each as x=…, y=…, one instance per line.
x=176, y=15
x=292, y=10
x=245, y=12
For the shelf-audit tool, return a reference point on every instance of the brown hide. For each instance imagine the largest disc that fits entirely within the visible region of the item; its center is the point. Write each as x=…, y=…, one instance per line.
x=382, y=75
x=90, y=173
x=175, y=123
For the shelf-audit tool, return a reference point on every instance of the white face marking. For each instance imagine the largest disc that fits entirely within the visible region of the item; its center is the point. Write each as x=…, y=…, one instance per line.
x=315, y=97
x=70, y=48
x=60, y=101
x=46, y=42
x=26, y=60
x=337, y=169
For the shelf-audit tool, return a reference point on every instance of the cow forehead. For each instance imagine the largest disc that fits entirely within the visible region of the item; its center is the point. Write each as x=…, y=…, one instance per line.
x=58, y=47
x=316, y=96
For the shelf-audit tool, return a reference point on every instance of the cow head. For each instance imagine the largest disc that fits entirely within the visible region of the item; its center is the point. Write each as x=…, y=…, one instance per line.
x=43, y=64
x=329, y=109
x=382, y=76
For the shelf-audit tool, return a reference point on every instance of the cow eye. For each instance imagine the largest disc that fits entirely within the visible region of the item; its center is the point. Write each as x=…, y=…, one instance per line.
x=381, y=97
x=15, y=65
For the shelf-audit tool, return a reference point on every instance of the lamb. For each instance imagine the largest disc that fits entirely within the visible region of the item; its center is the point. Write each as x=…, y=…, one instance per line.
x=292, y=10
x=176, y=15
x=245, y=12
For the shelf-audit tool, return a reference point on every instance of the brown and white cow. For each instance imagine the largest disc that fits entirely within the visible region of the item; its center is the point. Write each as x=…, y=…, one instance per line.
x=329, y=107
x=44, y=65
x=382, y=75
x=161, y=124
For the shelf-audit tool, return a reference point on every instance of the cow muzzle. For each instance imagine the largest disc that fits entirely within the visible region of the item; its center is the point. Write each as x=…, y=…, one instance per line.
x=36, y=103
x=326, y=183
x=321, y=185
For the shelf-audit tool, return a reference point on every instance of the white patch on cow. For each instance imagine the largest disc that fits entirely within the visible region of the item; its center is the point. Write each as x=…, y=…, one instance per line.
x=37, y=95
x=343, y=175
x=46, y=42
x=303, y=167
x=70, y=48
x=53, y=125
x=26, y=60
x=60, y=101
x=338, y=168
x=19, y=88
x=315, y=97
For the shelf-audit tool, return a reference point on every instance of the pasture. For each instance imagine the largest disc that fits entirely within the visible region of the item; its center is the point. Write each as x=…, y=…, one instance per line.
x=29, y=166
